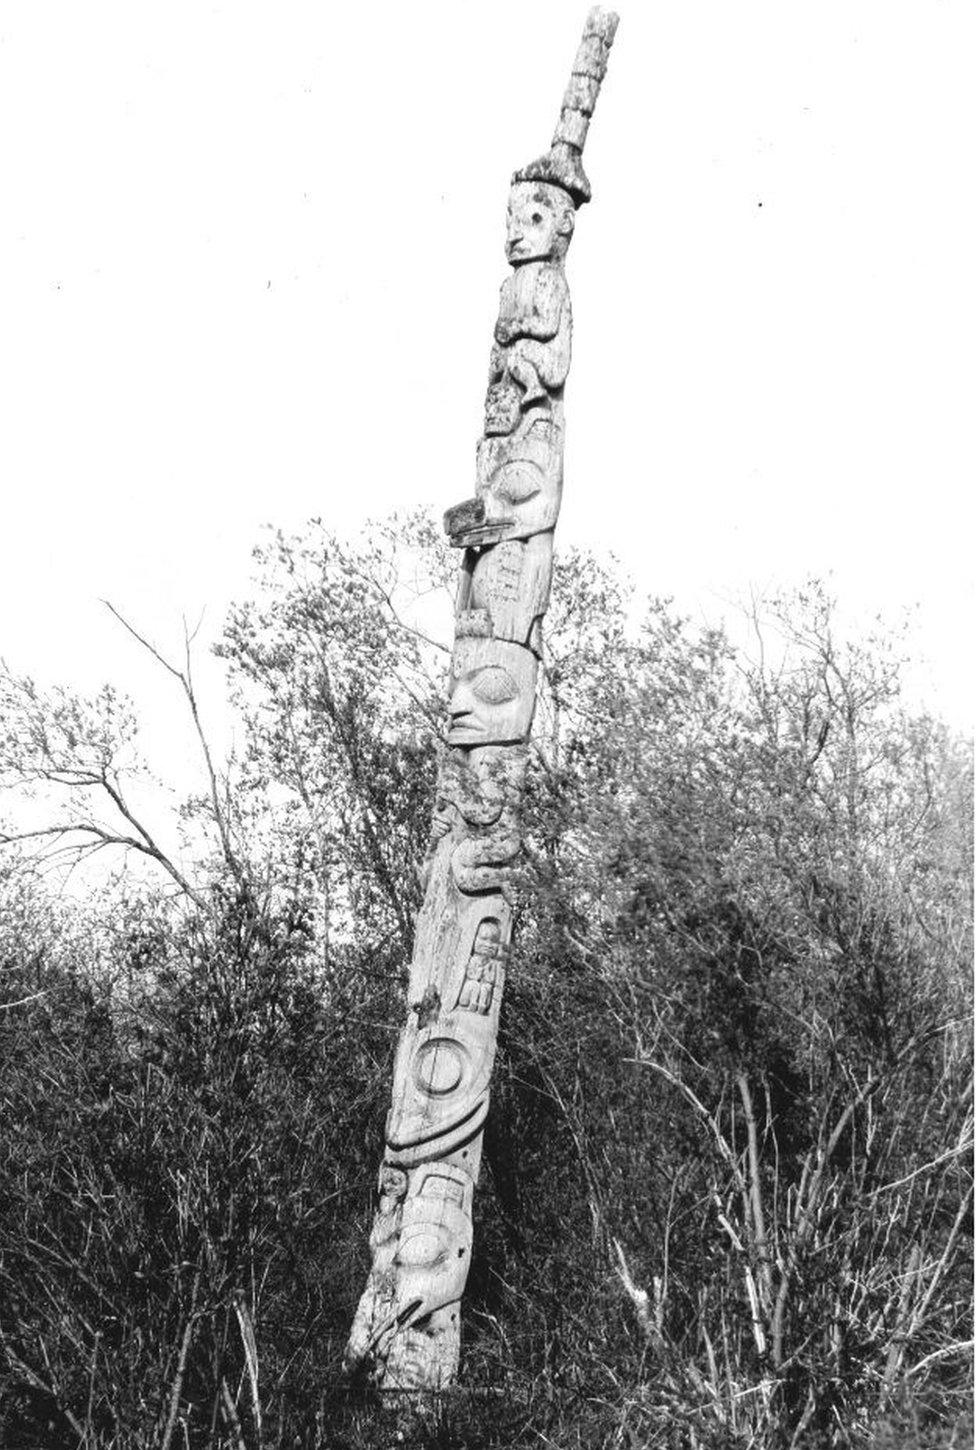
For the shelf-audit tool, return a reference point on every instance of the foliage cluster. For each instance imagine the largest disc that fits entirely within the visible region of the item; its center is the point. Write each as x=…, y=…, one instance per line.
x=727, y=1198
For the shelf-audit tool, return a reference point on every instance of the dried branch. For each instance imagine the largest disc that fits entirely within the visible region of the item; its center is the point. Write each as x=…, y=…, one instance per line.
x=185, y=679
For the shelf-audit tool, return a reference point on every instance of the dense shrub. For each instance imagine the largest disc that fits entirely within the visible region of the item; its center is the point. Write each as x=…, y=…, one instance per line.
x=727, y=1196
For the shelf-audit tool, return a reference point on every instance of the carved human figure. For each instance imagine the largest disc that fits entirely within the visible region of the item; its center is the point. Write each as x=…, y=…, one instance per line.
x=534, y=327
x=484, y=974
x=519, y=462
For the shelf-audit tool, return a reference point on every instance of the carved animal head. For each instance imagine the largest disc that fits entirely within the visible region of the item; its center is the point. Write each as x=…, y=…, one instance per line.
x=435, y=1243
x=520, y=477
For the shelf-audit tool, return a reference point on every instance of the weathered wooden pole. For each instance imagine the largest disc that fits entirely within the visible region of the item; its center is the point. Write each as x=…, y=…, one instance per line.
x=407, y=1327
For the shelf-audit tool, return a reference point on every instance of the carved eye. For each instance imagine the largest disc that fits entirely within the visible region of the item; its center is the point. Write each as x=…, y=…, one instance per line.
x=536, y=217
x=494, y=686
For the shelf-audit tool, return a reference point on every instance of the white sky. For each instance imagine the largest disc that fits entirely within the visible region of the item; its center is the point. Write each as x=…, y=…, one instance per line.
x=249, y=258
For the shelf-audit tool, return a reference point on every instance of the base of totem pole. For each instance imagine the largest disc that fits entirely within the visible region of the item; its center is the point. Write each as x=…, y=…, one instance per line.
x=414, y=1417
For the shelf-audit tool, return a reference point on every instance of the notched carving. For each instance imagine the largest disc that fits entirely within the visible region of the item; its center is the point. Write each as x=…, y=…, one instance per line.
x=563, y=165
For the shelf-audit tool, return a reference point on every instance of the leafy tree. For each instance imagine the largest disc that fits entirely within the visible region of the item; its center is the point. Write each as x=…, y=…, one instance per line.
x=728, y=1193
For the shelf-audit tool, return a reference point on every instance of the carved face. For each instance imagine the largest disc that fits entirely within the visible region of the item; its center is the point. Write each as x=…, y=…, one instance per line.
x=487, y=937
x=540, y=222
x=492, y=692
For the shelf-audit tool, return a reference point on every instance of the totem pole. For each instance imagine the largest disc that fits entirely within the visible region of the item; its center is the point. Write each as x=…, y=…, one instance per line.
x=407, y=1328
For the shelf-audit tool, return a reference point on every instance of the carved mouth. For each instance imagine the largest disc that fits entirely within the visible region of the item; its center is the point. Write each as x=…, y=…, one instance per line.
x=461, y=732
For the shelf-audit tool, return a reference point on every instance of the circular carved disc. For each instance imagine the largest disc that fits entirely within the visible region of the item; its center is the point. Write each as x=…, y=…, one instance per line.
x=439, y=1066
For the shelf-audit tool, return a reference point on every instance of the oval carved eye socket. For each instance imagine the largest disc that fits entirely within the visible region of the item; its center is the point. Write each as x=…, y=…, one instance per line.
x=536, y=218
x=494, y=686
